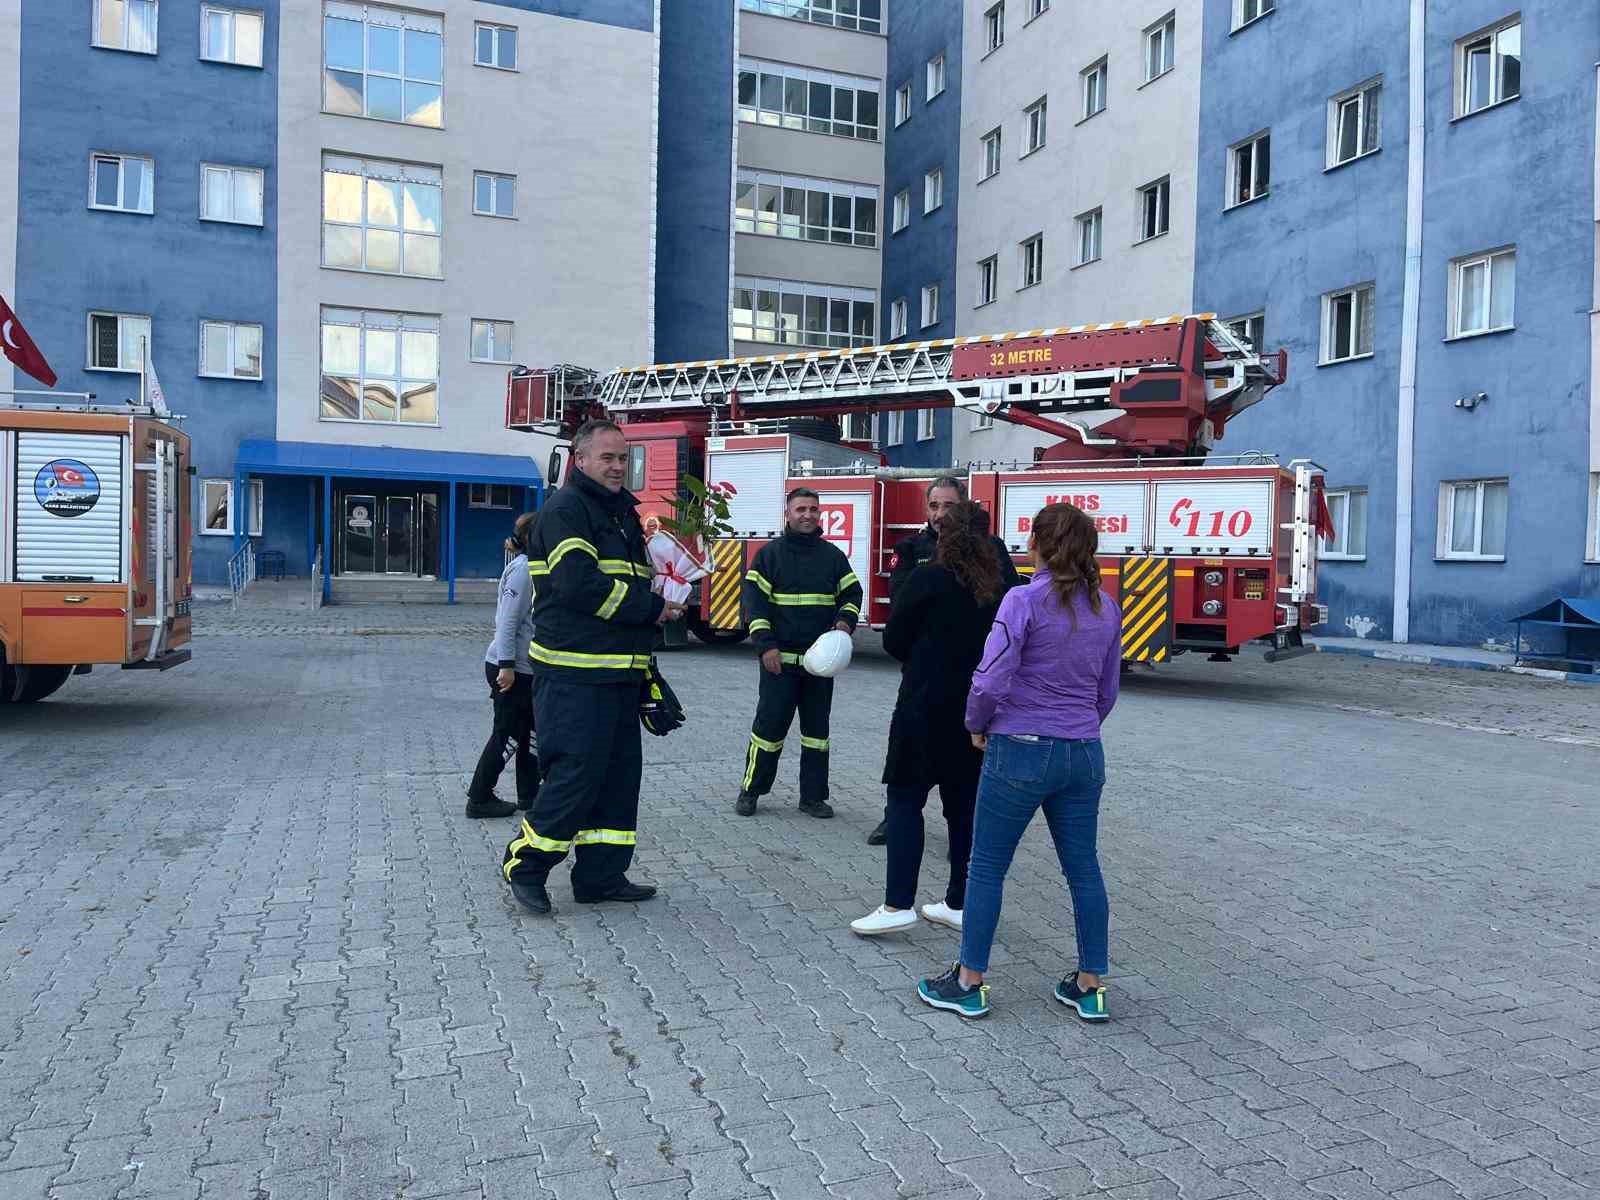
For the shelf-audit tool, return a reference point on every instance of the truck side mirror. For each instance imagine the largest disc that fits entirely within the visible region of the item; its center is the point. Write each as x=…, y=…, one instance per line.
x=556, y=469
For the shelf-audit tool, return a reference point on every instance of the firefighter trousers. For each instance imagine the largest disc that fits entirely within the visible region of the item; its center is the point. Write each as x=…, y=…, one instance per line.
x=780, y=696
x=589, y=800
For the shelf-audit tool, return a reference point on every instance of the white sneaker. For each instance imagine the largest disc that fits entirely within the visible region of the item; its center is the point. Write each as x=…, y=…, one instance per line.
x=941, y=913
x=882, y=920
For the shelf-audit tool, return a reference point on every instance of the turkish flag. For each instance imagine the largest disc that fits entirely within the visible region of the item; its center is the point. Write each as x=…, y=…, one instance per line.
x=67, y=475
x=19, y=347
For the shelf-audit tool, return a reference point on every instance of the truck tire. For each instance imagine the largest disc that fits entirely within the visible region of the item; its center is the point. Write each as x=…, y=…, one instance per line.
x=712, y=636
x=39, y=682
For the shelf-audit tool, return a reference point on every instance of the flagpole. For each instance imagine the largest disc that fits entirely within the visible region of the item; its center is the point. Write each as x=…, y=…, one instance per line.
x=144, y=365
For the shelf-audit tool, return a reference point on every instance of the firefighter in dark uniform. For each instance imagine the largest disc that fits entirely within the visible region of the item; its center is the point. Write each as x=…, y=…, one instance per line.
x=910, y=553
x=595, y=621
x=797, y=589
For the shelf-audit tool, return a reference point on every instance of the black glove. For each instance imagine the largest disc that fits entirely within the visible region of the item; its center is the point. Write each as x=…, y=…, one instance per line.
x=659, y=710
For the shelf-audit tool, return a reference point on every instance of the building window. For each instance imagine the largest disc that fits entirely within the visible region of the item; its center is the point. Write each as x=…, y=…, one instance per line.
x=1094, y=89
x=381, y=367
x=865, y=15
x=491, y=341
x=1037, y=8
x=381, y=216
x=1353, y=122
x=935, y=76
x=216, y=503
x=1348, y=508
x=803, y=98
x=902, y=210
x=489, y=495
x=1032, y=260
x=803, y=314
x=1246, y=11
x=122, y=183
x=494, y=195
x=231, y=194
x=1090, y=236
x=1489, y=67
x=930, y=305
x=1472, y=519
x=994, y=27
x=988, y=280
x=125, y=25
x=902, y=104
x=495, y=46
x=383, y=63
x=925, y=429
x=229, y=350
x=1249, y=169
x=1159, y=42
x=932, y=190
x=1483, y=291
x=230, y=35
x=1036, y=114
x=813, y=210
x=897, y=319
x=894, y=427
x=991, y=155
x=1348, y=318
x=1250, y=329
x=116, y=341
x=982, y=420
x=1594, y=517
x=1155, y=204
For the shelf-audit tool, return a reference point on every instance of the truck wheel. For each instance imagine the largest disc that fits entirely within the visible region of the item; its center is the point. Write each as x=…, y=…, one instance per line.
x=712, y=636
x=39, y=682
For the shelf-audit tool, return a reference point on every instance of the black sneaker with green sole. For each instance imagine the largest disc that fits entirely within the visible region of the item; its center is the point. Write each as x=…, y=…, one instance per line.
x=946, y=992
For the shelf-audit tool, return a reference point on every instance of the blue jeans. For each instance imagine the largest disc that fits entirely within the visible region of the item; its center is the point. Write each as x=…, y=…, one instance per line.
x=1063, y=776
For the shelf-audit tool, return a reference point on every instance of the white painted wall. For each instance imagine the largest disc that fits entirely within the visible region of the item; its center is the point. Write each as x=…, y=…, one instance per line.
x=10, y=136
x=1147, y=130
x=576, y=125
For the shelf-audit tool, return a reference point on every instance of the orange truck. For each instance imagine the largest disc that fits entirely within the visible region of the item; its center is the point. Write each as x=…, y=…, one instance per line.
x=94, y=544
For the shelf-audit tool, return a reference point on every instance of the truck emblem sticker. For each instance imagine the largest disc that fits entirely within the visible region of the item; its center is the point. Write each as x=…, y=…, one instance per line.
x=65, y=487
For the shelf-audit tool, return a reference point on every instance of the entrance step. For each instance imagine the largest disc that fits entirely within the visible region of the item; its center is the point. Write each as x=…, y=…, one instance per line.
x=290, y=592
x=401, y=589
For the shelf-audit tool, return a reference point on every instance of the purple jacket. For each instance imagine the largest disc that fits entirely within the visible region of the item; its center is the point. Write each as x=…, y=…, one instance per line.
x=1042, y=676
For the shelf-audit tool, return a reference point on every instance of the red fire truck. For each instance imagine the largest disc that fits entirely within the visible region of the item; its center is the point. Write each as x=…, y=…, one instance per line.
x=1202, y=552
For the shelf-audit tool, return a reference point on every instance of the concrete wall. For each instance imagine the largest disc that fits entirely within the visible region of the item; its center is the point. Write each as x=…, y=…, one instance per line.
x=925, y=251
x=171, y=265
x=575, y=124
x=1324, y=229
x=1147, y=130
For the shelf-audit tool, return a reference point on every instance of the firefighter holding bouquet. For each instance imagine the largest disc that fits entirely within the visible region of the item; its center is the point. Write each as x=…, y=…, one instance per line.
x=803, y=602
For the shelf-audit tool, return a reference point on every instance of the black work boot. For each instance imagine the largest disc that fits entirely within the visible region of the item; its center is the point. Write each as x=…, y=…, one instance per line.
x=491, y=806
x=816, y=808
x=745, y=806
x=879, y=835
x=532, y=896
x=623, y=890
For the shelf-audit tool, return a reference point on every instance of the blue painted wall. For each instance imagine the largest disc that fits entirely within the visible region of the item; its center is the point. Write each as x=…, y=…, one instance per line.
x=1321, y=230
x=172, y=266
x=629, y=14
x=694, y=188
x=925, y=251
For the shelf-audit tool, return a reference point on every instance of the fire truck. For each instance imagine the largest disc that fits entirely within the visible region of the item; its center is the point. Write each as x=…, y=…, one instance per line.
x=1202, y=552
x=94, y=543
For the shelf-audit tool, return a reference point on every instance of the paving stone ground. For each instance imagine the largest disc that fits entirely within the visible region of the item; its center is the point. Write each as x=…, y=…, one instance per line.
x=250, y=948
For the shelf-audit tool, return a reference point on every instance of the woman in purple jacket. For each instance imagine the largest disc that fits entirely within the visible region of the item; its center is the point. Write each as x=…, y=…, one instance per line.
x=1048, y=678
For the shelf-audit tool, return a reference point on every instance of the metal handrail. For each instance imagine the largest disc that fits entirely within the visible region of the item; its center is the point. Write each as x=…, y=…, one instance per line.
x=241, y=570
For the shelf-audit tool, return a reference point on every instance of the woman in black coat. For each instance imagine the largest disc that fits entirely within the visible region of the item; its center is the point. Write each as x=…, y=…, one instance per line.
x=937, y=628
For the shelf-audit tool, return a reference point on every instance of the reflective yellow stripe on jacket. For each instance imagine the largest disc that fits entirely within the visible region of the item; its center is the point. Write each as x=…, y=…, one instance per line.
x=608, y=608
x=575, y=658
x=567, y=547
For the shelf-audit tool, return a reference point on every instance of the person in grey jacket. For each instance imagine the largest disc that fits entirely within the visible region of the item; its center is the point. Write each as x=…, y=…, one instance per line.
x=510, y=675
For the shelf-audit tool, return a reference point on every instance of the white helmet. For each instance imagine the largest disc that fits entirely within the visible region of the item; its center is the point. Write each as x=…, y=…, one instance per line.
x=828, y=655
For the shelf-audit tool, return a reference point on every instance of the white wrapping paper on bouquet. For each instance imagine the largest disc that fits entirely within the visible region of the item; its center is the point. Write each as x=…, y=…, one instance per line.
x=677, y=565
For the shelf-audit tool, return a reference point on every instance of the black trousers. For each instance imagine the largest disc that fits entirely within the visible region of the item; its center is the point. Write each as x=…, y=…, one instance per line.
x=780, y=696
x=589, y=802
x=512, y=736
x=960, y=800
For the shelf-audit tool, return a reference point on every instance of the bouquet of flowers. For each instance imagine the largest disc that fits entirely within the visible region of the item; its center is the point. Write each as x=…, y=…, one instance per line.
x=679, y=545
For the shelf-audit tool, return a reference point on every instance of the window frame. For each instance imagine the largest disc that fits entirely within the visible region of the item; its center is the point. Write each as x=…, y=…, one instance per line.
x=814, y=312
x=1461, y=57
x=1592, y=540
x=930, y=305
x=997, y=139
x=1447, y=514
x=1325, y=341
x=495, y=178
x=1454, y=332
x=901, y=210
x=96, y=157
x=400, y=323
x=927, y=429
x=1264, y=9
x=99, y=43
x=902, y=104
x=491, y=322
x=1259, y=316
x=232, y=169
x=1036, y=9
x=403, y=173
x=497, y=28
x=817, y=12
x=894, y=433
x=994, y=27
x=233, y=328
x=1361, y=95
x=206, y=10
x=1036, y=121
x=149, y=334
x=933, y=69
x=1252, y=145
x=1030, y=251
x=481, y=495
x=1161, y=189
x=1167, y=30
x=205, y=530
x=1099, y=70
x=796, y=200
x=1095, y=219
x=932, y=190
x=899, y=319
x=1342, y=524
x=407, y=21
x=988, y=280
x=807, y=79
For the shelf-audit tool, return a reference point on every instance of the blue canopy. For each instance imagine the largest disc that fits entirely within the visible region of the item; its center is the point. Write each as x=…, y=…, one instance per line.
x=265, y=457
x=1567, y=610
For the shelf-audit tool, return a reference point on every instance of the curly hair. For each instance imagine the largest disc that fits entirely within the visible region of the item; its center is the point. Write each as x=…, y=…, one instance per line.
x=964, y=549
x=1067, y=540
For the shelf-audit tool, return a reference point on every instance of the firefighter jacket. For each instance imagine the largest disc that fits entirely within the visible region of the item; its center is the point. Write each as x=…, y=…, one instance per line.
x=795, y=590
x=594, y=614
x=910, y=553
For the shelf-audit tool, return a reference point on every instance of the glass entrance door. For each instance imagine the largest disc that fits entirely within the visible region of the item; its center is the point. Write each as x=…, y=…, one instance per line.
x=359, y=535
x=399, y=535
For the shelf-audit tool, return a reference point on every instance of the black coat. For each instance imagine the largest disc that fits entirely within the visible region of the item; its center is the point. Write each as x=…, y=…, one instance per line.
x=911, y=552
x=937, y=630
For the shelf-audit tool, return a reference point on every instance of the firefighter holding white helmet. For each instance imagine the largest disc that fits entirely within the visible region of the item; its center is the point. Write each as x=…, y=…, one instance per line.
x=798, y=589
